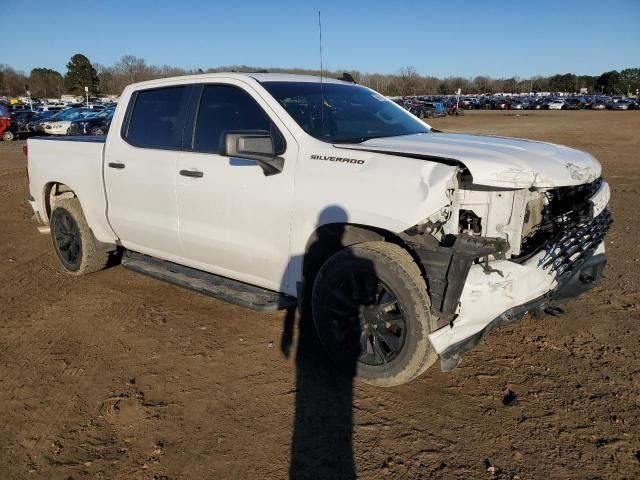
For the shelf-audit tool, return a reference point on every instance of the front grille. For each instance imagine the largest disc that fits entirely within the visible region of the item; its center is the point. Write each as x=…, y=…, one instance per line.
x=569, y=251
x=566, y=208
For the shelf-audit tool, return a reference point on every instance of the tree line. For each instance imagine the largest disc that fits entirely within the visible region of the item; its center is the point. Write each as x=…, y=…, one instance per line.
x=47, y=83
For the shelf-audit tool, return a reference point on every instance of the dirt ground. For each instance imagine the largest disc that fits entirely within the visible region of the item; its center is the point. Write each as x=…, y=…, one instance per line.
x=115, y=375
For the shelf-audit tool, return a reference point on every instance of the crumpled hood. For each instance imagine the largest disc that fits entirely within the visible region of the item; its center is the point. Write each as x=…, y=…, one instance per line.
x=496, y=161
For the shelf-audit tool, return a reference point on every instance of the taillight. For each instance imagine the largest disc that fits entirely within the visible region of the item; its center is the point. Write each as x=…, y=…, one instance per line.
x=25, y=150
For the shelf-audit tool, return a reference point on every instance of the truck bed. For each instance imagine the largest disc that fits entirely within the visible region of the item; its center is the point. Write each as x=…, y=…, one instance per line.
x=76, y=162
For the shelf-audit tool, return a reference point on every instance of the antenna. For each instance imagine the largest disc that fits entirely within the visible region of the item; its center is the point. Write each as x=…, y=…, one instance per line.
x=321, y=75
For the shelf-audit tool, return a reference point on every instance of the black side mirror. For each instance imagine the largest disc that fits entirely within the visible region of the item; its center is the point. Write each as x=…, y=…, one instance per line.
x=255, y=145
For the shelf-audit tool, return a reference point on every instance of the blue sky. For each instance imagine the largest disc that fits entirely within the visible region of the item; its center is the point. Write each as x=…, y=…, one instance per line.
x=440, y=38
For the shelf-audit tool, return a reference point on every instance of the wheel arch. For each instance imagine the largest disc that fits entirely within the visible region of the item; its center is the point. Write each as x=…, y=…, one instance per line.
x=55, y=190
x=328, y=239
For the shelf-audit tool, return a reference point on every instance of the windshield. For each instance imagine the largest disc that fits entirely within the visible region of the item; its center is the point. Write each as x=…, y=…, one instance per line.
x=69, y=114
x=350, y=113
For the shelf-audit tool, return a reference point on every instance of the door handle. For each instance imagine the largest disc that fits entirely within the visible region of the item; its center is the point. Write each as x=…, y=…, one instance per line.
x=116, y=165
x=191, y=173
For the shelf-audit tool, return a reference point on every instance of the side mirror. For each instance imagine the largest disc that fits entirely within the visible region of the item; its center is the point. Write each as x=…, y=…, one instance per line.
x=256, y=145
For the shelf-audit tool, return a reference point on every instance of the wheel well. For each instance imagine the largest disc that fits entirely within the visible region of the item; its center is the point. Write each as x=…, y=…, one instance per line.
x=330, y=238
x=53, y=191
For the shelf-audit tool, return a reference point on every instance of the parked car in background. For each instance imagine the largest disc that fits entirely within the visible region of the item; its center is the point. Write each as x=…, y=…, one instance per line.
x=59, y=124
x=623, y=105
x=537, y=105
x=483, y=104
x=19, y=107
x=575, y=104
x=19, y=113
x=501, y=104
x=520, y=104
x=95, y=124
x=35, y=123
x=434, y=109
x=51, y=108
x=557, y=105
x=5, y=123
x=598, y=104
x=19, y=125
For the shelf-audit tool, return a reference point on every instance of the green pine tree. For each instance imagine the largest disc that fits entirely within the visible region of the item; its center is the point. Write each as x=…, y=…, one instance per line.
x=80, y=74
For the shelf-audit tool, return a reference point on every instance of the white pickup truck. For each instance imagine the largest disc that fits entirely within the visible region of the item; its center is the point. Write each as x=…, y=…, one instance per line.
x=270, y=191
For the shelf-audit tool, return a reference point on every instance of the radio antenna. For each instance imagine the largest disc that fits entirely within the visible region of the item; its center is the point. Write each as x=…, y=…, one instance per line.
x=321, y=75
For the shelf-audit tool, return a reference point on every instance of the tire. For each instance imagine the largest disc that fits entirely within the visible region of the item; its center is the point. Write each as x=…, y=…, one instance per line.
x=8, y=136
x=73, y=241
x=372, y=314
x=96, y=131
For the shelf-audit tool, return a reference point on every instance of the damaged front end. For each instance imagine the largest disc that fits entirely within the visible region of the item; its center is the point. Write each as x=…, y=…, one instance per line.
x=495, y=254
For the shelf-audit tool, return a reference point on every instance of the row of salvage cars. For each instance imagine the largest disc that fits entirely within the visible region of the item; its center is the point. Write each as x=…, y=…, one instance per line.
x=69, y=121
x=436, y=106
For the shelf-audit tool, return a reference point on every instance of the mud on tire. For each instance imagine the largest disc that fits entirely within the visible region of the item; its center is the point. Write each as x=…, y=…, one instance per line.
x=73, y=241
x=372, y=314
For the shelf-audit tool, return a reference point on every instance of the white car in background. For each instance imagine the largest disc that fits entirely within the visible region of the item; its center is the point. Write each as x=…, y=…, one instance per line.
x=57, y=128
x=557, y=105
x=59, y=124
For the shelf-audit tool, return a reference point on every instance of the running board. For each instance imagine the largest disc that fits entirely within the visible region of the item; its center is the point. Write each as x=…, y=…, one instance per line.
x=222, y=288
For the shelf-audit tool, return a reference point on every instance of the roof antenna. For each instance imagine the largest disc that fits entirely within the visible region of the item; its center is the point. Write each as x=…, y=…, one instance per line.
x=321, y=74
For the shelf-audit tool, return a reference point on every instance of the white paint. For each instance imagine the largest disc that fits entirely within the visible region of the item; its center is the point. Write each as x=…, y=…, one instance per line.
x=57, y=128
x=78, y=165
x=499, y=161
x=600, y=199
x=488, y=295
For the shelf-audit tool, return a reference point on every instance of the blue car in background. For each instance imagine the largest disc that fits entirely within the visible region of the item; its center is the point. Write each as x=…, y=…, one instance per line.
x=94, y=124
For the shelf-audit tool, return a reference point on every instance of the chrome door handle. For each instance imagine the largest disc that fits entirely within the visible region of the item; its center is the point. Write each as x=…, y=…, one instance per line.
x=116, y=165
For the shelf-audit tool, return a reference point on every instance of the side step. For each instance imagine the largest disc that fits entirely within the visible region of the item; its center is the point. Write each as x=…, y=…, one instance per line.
x=223, y=288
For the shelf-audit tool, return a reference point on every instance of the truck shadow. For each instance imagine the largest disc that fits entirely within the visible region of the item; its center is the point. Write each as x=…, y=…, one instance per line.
x=321, y=444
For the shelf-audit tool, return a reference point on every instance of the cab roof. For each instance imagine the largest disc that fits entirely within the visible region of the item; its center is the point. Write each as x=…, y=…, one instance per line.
x=259, y=77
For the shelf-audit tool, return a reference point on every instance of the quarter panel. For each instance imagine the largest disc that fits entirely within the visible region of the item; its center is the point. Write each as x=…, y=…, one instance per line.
x=78, y=165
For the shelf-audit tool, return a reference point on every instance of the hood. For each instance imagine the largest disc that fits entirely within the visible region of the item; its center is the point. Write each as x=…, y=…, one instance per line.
x=495, y=161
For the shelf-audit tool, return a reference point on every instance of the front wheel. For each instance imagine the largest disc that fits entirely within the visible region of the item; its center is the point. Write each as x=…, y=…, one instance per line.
x=371, y=311
x=73, y=241
x=8, y=136
x=97, y=131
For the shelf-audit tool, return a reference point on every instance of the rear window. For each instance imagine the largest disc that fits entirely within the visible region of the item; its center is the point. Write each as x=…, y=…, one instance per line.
x=157, y=118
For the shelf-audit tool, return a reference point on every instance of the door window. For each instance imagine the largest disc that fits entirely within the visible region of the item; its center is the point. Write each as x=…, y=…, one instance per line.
x=157, y=118
x=225, y=108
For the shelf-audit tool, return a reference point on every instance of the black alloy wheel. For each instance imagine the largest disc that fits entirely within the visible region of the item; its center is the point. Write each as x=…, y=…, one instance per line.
x=67, y=239
x=367, y=320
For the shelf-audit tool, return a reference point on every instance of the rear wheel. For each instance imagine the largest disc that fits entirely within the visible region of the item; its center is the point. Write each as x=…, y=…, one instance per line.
x=73, y=241
x=371, y=310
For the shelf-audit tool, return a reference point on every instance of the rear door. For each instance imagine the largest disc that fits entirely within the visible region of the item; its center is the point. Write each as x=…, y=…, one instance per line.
x=140, y=171
x=234, y=220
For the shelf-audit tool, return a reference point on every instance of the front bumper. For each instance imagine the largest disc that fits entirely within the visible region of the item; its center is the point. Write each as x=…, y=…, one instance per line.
x=507, y=290
x=451, y=345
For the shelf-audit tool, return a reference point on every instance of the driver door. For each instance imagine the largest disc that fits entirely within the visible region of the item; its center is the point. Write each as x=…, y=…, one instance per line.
x=234, y=219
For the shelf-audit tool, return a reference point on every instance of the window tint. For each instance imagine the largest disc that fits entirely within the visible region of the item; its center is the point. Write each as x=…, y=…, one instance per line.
x=223, y=109
x=343, y=113
x=157, y=118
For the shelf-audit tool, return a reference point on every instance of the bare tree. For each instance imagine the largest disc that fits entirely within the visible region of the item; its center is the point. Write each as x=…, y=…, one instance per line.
x=408, y=81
